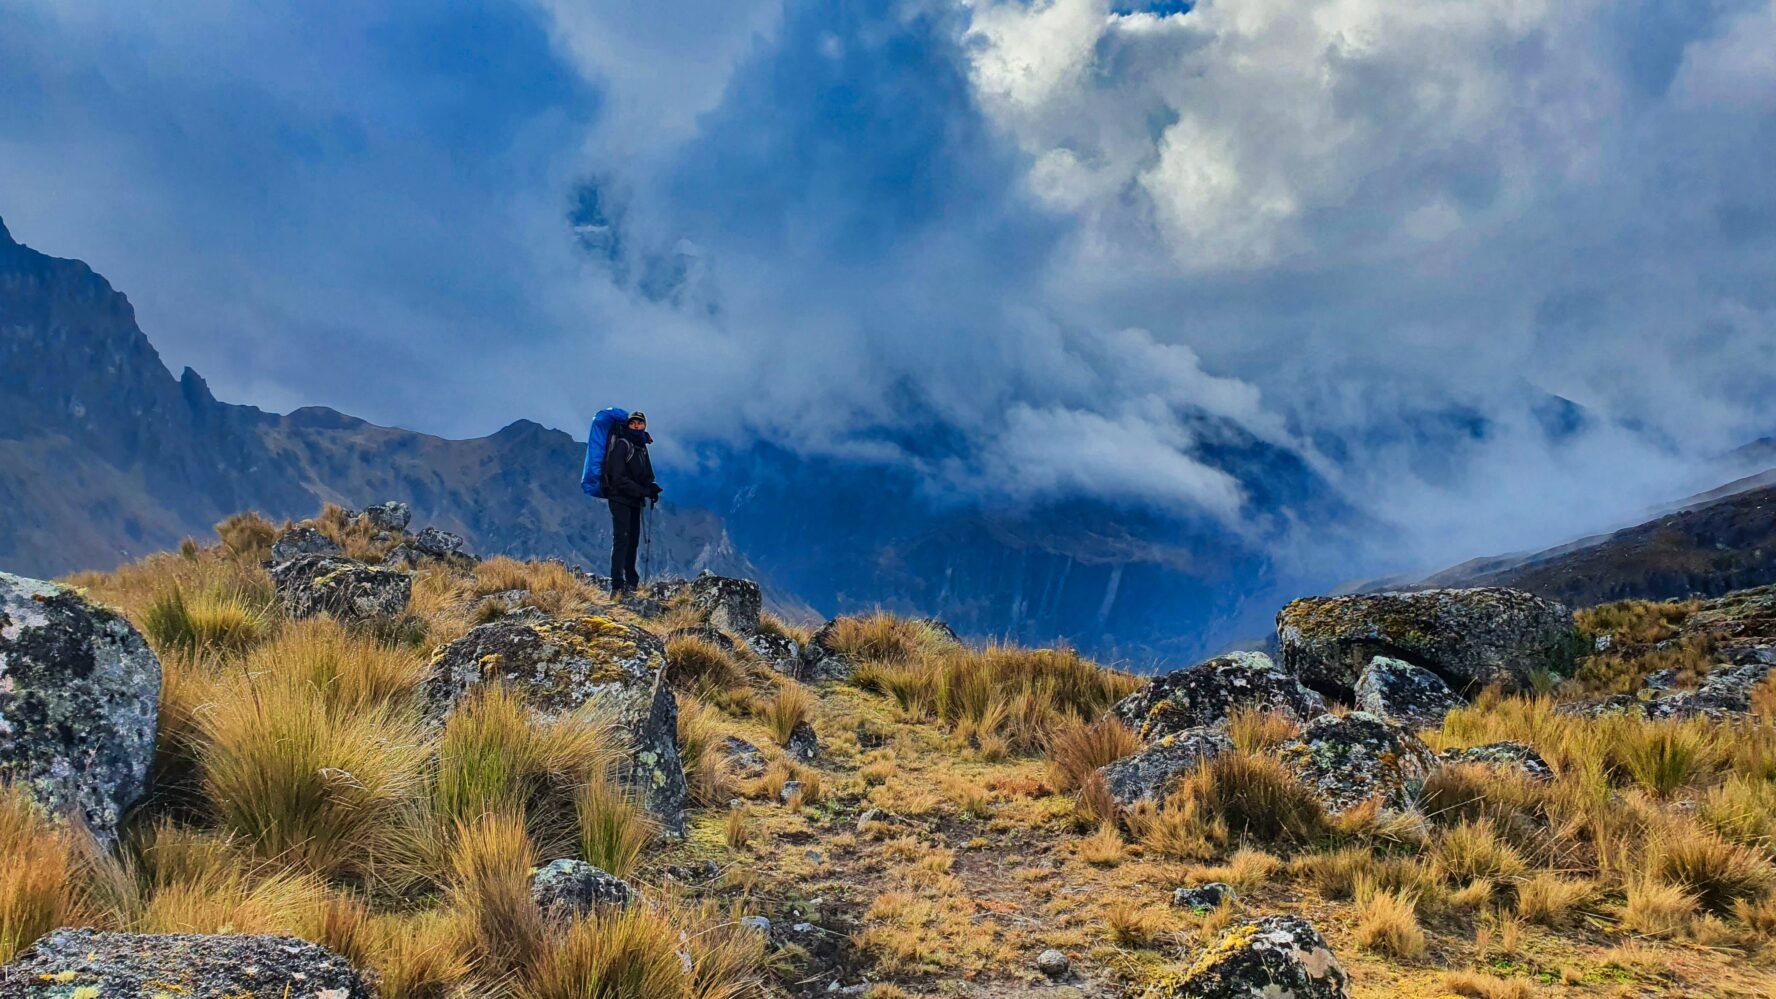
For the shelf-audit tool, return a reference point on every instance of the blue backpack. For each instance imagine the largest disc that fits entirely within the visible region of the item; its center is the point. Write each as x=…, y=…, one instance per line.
x=597, y=440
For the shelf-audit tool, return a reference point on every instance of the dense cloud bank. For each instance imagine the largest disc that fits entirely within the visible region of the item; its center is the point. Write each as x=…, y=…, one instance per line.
x=1498, y=271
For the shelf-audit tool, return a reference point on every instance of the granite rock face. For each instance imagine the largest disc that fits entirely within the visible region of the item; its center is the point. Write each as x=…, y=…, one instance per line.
x=349, y=590
x=1206, y=693
x=561, y=666
x=1725, y=693
x=79, y=699
x=1153, y=772
x=67, y=963
x=1276, y=957
x=1349, y=760
x=1471, y=638
x=1401, y=692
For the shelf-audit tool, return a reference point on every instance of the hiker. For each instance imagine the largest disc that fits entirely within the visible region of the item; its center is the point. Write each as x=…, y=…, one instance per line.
x=628, y=481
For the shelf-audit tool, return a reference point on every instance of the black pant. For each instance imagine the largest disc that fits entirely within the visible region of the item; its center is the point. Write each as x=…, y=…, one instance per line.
x=625, y=540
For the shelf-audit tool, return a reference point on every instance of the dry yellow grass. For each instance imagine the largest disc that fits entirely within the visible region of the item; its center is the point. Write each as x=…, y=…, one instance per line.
x=1387, y=921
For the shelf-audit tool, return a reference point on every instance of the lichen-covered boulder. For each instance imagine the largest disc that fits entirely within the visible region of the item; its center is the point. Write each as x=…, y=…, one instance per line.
x=441, y=544
x=1276, y=957
x=302, y=541
x=731, y=604
x=392, y=516
x=1205, y=694
x=1503, y=756
x=1204, y=897
x=803, y=744
x=1725, y=693
x=79, y=695
x=558, y=667
x=345, y=588
x=1349, y=760
x=1471, y=638
x=1155, y=771
x=90, y=963
x=779, y=652
x=1401, y=692
x=744, y=759
x=572, y=888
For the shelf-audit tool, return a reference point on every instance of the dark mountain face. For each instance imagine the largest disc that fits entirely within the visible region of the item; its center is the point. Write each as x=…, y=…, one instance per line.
x=1707, y=548
x=104, y=456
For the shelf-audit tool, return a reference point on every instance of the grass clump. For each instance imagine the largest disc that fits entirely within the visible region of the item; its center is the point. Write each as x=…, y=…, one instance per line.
x=307, y=783
x=1078, y=749
x=613, y=827
x=248, y=536
x=1257, y=797
x=37, y=864
x=786, y=709
x=207, y=622
x=1473, y=851
x=1717, y=873
x=1387, y=921
x=697, y=663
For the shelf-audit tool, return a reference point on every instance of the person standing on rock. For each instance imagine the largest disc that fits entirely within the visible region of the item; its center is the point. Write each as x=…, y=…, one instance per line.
x=628, y=485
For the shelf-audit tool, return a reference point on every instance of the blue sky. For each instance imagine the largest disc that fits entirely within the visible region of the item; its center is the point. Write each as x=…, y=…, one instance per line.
x=1343, y=227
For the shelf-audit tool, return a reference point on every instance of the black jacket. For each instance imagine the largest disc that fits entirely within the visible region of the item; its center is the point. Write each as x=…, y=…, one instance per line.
x=628, y=472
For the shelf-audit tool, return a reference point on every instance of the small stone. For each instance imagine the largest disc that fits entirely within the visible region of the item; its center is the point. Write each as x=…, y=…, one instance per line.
x=440, y=544
x=791, y=788
x=1053, y=963
x=1203, y=898
x=757, y=923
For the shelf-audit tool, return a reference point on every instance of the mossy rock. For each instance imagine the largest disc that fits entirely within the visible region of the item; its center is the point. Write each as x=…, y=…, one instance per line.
x=91, y=963
x=1206, y=693
x=1471, y=638
x=309, y=585
x=557, y=667
x=1274, y=956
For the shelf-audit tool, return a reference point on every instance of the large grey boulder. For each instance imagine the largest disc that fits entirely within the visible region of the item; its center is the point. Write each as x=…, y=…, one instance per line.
x=1206, y=693
x=92, y=963
x=1401, y=692
x=572, y=888
x=561, y=666
x=441, y=544
x=730, y=604
x=1471, y=638
x=1155, y=771
x=1278, y=956
x=1348, y=760
x=349, y=590
x=302, y=541
x=79, y=697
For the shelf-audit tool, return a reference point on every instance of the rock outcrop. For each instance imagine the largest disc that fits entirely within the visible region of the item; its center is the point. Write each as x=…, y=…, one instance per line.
x=91, y=963
x=1401, y=692
x=347, y=589
x=1349, y=760
x=79, y=697
x=558, y=667
x=1204, y=897
x=569, y=889
x=729, y=604
x=1153, y=772
x=1725, y=693
x=1470, y=638
x=1280, y=956
x=392, y=516
x=803, y=744
x=780, y=653
x=302, y=541
x=1206, y=693
x=1503, y=756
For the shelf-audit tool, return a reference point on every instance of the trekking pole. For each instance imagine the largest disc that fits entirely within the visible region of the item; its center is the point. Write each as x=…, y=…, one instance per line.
x=647, y=541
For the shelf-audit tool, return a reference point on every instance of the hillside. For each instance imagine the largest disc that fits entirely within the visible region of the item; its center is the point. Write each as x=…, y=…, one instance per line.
x=1722, y=541
x=105, y=456
x=423, y=779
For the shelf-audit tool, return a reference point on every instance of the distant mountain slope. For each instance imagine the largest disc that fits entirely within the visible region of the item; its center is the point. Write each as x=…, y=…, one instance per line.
x=105, y=456
x=1720, y=541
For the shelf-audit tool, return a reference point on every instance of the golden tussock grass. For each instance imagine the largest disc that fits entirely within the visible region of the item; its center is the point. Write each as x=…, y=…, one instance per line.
x=248, y=536
x=694, y=662
x=1480, y=985
x=205, y=622
x=1553, y=900
x=1716, y=872
x=1387, y=921
x=783, y=711
x=1134, y=924
x=37, y=866
x=490, y=865
x=1473, y=851
x=1656, y=908
x=614, y=828
x=1257, y=797
x=1103, y=848
x=1077, y=749
x=1255, y=731
x=708, y=774
x=309, y=783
